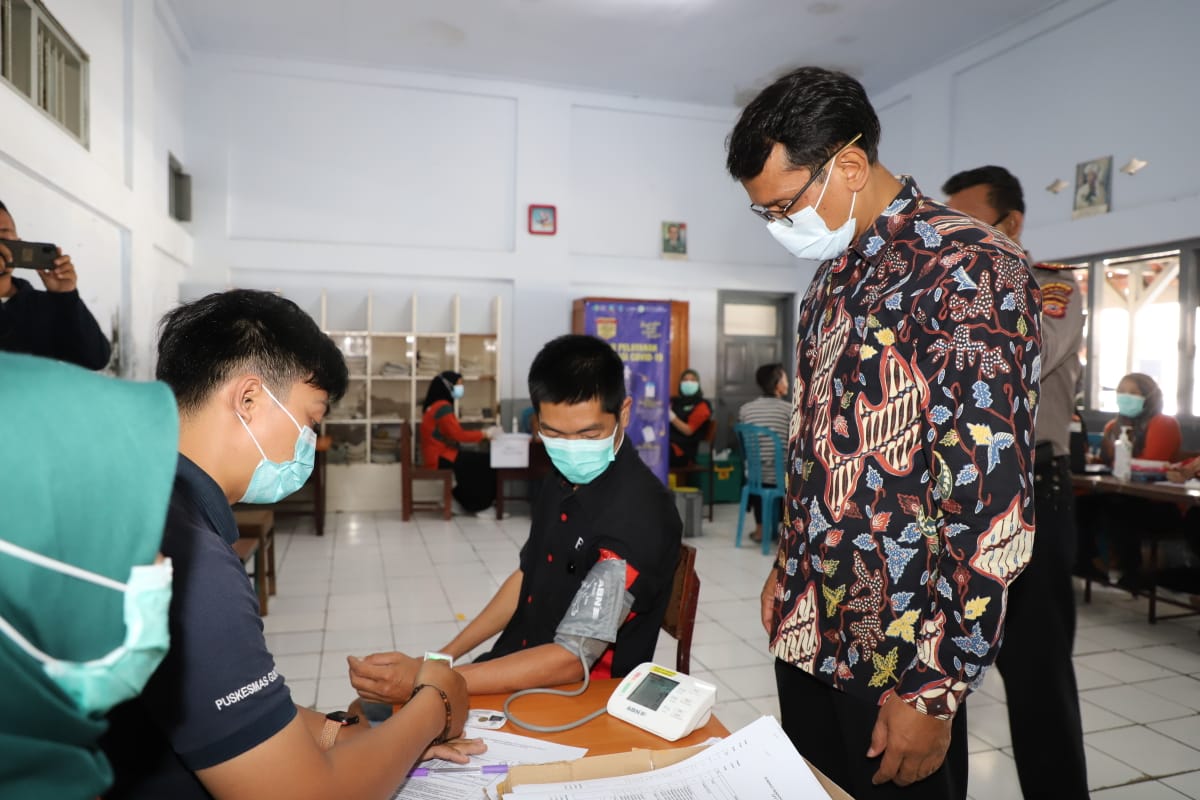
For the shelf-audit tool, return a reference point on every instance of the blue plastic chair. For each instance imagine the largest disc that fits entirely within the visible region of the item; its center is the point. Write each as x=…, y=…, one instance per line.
x=752, y=439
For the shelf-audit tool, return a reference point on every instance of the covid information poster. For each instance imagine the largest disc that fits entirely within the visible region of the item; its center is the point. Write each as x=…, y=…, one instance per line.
x=641, y=335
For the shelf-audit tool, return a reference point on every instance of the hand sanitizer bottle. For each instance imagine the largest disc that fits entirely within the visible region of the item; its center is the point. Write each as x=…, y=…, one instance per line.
x=1122, y=456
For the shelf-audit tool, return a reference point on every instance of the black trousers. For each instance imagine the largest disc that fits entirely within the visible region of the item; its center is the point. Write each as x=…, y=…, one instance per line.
x=755, y=504
x=1035, y=657
x=832, y=730
x=474, y=480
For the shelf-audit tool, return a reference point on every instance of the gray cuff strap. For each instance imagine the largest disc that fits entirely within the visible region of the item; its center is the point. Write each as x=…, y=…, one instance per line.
x=597, y=611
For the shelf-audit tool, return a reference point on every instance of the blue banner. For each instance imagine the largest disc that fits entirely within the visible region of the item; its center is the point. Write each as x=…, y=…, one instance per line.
x=641, y=335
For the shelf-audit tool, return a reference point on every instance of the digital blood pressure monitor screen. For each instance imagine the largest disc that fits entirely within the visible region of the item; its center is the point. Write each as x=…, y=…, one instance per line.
x=652, y=691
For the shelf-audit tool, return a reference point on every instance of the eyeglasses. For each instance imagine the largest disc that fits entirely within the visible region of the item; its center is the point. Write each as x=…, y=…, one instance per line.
x=781, y=216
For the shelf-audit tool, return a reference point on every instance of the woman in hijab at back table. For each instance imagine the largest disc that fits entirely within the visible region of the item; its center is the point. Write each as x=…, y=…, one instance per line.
x=85, y=477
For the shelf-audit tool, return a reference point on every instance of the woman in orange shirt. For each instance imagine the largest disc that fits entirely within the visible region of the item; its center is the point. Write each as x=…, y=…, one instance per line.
x=441, y=434
x=690, y=417
x=1155, y=435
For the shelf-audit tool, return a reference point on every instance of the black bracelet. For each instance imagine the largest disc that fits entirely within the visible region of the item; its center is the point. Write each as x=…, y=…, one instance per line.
x=449, y=709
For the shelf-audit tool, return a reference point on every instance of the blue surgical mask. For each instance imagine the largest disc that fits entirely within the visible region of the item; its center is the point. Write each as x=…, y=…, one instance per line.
x=96, y=686
x=458, y=391
x=1130, y=405
x=809, y=237
x=689, y=388
x=581, y=461
x=274, y=480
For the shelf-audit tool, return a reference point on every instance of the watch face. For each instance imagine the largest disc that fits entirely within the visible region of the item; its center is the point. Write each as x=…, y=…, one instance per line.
x=342, y=717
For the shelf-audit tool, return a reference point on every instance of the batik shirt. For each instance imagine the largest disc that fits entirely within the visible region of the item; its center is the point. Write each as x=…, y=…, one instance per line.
x=910, y=489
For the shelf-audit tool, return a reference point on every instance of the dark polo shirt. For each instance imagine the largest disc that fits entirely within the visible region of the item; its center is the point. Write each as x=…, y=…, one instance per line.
x=216, y=694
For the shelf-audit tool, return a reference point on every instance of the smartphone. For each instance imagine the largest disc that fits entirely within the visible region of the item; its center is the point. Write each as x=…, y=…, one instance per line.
x=31, y=255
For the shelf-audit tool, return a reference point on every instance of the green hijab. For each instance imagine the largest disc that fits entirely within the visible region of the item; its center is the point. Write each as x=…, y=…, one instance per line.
x=87, y=464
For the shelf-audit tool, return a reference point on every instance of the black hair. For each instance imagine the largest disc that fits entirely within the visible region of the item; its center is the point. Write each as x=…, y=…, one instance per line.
x=441, y=388
x=1004, y=190
x=812, y=112
x=767, y=377
x=575, y=369
x=204, y=343
x=3, y=207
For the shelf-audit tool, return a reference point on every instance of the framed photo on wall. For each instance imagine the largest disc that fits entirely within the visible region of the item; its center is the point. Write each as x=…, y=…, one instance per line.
x=1093, y=187
x=543, y=220
x=674, y=240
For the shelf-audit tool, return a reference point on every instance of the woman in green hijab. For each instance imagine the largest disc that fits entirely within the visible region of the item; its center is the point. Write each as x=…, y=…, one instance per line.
x=86, y=471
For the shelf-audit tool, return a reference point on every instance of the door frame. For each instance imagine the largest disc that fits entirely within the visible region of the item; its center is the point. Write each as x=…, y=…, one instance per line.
x=786, y=302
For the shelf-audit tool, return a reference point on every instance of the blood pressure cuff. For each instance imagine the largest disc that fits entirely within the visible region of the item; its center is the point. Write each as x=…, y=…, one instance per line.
x=597, y=611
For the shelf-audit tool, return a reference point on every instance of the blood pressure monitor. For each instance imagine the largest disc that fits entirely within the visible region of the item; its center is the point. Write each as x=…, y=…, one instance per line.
x=666, y=703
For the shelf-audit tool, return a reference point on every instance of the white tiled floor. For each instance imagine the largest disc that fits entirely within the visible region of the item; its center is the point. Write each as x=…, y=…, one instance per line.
x=375, y=583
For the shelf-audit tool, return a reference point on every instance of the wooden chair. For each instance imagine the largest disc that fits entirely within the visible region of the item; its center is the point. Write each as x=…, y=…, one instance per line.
x=257, y=529
x=710, y=436
x=410, y=471
x=680, y=619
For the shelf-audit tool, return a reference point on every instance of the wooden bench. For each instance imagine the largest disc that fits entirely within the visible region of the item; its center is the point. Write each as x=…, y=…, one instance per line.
x=257, y=529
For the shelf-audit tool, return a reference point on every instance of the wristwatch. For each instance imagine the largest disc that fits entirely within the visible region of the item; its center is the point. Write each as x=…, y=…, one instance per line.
x=334, y=722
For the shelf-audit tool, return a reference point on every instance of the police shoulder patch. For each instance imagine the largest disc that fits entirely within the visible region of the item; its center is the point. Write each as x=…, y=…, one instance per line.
x=1056, y=297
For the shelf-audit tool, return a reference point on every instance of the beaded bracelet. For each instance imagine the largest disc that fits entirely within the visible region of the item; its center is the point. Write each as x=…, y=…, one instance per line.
x=449, y=709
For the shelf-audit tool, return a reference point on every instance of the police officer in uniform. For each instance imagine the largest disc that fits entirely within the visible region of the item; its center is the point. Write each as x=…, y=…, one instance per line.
x=1035, y=659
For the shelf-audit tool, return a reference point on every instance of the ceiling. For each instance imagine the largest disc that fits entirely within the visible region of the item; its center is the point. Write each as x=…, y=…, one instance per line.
x=717, y=52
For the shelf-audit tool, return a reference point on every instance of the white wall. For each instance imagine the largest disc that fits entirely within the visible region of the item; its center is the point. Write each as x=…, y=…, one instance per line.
x=106, y=204
x=315, y=176
x=1089, y=78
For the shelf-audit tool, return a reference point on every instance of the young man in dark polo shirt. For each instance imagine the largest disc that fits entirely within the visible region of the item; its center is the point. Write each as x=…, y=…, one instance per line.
x=252, y=375
x=595, y=574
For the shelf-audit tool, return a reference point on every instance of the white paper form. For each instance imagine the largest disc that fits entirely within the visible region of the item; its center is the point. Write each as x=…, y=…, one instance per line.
x=758, y=761
x=502, y=748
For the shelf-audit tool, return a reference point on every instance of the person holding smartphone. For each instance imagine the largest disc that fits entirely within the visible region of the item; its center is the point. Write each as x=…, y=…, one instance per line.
x=52, y=324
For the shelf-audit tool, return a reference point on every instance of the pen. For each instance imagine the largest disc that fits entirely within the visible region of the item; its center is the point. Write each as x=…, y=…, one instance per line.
x=486, y=769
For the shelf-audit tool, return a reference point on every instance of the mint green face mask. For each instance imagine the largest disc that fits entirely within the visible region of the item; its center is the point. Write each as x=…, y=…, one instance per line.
x=581, y=461
x=96, y=686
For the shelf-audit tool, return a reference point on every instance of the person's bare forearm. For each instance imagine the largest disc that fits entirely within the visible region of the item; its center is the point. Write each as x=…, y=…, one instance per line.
x=370, y=764
x=491, y=620
x=545, y=665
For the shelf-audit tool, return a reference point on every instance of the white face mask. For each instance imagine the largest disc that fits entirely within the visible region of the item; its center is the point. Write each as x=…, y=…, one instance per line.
x=809, y=237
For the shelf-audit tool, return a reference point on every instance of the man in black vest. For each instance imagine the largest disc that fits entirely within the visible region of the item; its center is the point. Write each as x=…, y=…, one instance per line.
x=595, y=574
x=51, y=324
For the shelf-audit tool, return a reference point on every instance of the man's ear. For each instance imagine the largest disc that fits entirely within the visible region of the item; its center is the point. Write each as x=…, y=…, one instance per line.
x=1013, y=225
x=854, y=165
x=245, y=395
x=626, y=409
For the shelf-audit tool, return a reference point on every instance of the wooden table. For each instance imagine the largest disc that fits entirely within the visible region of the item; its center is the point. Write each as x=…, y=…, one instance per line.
x=1159, y=491
x=601, y=736
x=1156, y=491
x=604, y=735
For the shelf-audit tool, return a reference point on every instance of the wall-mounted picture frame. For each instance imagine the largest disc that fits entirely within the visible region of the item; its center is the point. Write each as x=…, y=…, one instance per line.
x=543, y=220
x=1093, y=187
x=674, y=239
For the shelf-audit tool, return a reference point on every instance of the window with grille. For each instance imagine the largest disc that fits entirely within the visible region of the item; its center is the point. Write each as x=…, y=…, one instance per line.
x=42, y=62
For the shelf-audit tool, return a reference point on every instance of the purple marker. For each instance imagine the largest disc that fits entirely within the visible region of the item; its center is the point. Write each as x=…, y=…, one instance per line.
x=486, y=769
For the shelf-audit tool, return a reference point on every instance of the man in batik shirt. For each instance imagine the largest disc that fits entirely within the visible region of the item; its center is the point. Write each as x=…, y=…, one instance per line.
x=909, y=505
